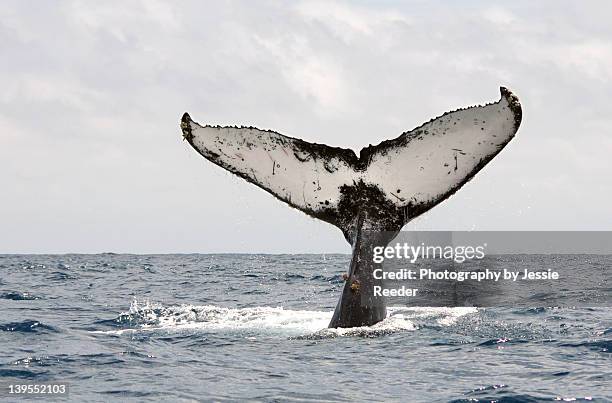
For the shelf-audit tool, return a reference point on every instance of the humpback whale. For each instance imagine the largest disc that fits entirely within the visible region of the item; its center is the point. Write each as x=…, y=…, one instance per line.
x=371, y=196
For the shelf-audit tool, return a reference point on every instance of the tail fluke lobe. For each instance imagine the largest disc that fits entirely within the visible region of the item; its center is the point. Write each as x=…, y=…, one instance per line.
x=426, y=165
x=307, y=176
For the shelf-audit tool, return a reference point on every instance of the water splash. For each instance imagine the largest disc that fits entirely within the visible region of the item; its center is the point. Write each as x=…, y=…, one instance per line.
x=145, y=316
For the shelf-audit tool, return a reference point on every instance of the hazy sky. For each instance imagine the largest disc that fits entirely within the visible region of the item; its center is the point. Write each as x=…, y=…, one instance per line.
x=91, y=154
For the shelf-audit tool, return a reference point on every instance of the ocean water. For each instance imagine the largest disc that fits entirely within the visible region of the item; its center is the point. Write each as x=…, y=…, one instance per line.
x=253, y=327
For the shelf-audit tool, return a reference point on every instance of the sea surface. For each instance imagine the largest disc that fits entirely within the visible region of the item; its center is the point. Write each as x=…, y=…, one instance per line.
x=253, y=327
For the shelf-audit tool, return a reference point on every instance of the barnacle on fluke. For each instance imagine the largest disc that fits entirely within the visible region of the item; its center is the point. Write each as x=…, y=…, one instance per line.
x=361, y=195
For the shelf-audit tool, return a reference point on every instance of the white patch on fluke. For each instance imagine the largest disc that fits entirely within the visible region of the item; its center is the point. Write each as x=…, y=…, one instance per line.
x=445, y=152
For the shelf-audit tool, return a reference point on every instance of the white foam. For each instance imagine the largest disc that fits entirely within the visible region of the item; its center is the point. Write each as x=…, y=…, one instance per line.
x=443, y=316
x=156, y=317
x=151, y=317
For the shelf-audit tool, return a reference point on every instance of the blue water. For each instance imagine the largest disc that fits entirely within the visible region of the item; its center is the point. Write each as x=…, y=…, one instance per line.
x=235, y=327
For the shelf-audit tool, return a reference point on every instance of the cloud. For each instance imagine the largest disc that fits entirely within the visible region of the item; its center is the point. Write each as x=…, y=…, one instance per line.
x=92, y=158
x=348, y=21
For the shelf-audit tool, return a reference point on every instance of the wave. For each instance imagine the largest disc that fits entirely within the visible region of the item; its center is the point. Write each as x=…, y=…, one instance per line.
x=26, y=326
x=603, y=346
x=300, y=324
x=19, y=373
x=18, y=296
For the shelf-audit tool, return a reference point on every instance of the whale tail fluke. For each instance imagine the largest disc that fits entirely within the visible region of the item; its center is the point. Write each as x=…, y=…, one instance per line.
x=392, y=182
